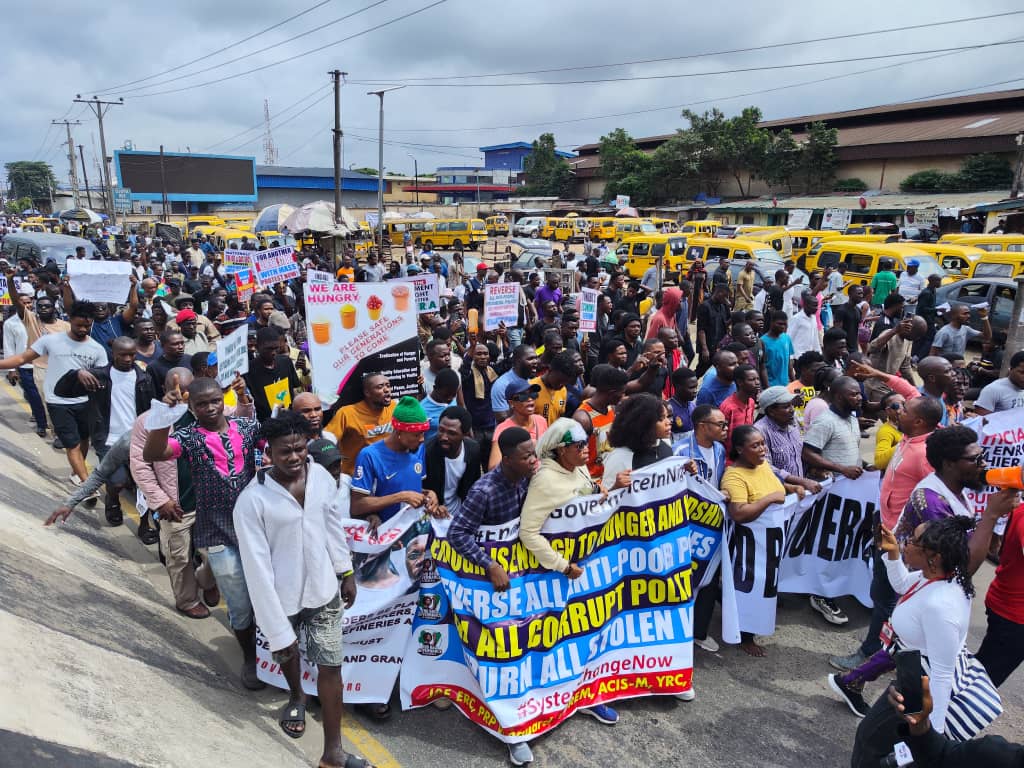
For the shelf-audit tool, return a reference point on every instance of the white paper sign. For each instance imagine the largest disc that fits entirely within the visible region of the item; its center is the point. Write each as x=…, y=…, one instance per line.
x=236, y=260
x=588, y=309
x=799, y=218
x=232, y=356
x=836, y=218
x=106, y=282
x=274, y=265
x=318, y=276
x=501, y=305
x=426, y=292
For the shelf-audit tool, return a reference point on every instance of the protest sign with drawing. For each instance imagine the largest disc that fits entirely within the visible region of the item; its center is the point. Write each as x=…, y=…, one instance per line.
x=245, y=284
x=360, y=328
x=274, y=265
x=5, y=299
x=501, y=305
x=104, y=282
x=232, y=356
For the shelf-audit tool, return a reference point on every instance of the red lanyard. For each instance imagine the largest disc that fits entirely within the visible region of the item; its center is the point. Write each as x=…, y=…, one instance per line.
x=916, y=588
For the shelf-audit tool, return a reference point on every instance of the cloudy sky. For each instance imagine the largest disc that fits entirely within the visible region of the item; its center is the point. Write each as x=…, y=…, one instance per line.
x=194, y=74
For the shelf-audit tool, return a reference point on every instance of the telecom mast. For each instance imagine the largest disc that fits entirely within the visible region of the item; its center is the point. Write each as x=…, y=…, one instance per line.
x=269, y=150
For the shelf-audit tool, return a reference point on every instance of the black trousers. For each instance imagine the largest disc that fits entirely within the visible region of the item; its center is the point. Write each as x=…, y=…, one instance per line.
x=1002, y=650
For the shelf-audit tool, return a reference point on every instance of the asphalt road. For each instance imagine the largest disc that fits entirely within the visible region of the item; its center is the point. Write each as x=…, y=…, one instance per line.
x=100, y=671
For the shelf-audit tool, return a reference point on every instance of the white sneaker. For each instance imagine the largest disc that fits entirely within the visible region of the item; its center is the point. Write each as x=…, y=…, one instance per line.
x=689, y=695
x=75, y=480
x=520, y=754
x=708, y=644
x=831, y=612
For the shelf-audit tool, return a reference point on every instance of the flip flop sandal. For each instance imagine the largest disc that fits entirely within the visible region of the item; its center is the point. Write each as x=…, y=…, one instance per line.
x=291, y=714
x=351, y=761
x=378, y=712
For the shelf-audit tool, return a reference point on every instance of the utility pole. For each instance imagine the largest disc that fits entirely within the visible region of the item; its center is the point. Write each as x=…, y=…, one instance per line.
x=338, y=77
x=85, y=177
x=1018, y=171
x=71, y=158
x=416, y=176
x=1015, y=342
x=163, y=191
x=99, y=108
x=380, y=169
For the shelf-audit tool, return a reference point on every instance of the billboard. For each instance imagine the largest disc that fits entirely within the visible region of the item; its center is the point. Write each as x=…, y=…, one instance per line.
x=187, y=177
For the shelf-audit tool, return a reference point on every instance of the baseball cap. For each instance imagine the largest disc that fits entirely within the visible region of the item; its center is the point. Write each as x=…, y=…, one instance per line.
x=324, y=452
x=913, y=263
x=775, y=396
x=481, y=267
x=413, y=269
x=523, y=392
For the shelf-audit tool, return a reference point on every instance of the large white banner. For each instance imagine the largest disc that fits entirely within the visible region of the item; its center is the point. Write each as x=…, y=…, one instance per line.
x=376, y=627
x=818, y=545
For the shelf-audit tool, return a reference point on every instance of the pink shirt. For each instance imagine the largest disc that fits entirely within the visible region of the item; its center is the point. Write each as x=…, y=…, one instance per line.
x=907, y=467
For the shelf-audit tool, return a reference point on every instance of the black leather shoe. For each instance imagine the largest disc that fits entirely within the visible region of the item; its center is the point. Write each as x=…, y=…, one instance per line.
x=148, y=533
x=114, y=515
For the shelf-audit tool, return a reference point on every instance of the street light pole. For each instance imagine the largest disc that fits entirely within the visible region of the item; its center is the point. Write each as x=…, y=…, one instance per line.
x=380, y=168
x=415, y=176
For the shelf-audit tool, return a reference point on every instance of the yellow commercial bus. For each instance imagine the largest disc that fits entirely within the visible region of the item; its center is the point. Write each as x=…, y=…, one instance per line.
x=602, y=230
x=496, y=225
x=457, y=234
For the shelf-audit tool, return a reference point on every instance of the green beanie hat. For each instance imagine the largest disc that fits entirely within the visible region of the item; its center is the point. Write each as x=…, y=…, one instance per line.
x=409, y=416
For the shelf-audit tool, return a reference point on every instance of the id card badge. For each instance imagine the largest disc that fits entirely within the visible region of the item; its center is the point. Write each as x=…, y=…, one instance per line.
x=887, y=635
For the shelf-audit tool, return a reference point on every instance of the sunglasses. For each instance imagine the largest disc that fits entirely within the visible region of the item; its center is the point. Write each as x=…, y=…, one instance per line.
x=719, y=424
x=579, y=445
x=524, y=398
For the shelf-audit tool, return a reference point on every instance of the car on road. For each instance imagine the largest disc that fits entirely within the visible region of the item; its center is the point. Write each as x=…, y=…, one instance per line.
x=43, y=246
x=998, y=293
x=529, y=226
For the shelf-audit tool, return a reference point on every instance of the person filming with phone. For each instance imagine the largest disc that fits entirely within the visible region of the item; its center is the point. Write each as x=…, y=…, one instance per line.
x=931, y=617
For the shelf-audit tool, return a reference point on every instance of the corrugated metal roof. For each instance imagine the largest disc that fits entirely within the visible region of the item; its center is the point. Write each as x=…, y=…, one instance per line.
x=932, y=129
x=876, y=203
x=982, y=100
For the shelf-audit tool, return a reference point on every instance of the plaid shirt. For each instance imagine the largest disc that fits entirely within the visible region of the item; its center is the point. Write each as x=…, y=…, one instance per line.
x=492, y=500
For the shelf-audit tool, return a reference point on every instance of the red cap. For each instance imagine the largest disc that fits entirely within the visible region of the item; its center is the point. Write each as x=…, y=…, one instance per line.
x=185, y=314
x=481, y=267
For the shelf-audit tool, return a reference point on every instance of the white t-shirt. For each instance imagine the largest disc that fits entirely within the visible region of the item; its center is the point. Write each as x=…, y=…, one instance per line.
x=910, y=286
x=65, y=354
x=122, y=403
x=454, y=469
x=1000, y=395
x=708, y=454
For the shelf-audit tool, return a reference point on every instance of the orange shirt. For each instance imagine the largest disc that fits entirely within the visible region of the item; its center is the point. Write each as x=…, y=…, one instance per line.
x=357, y=426
x=597, y=444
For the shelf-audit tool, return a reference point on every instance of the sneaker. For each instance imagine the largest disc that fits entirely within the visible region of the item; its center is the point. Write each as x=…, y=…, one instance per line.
x=602, y=713
x=846, y=663
x=446, y=703
x=688, y=695
x=854, y=699
x=708, y=644
x=827, y=608
x=75, y=480
x=520, y=754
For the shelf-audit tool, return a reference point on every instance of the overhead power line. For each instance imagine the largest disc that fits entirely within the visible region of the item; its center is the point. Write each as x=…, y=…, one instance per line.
x=250, y=54
x=279, y=125
x=680, y=75
x=273, y=117
x=228, y=47
x=708, y=54
x=310, y=52
x=677, y=107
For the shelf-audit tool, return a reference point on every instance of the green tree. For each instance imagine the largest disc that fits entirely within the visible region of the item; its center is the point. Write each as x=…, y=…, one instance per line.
x=981, y=172
x=675, y=169
x=626, y=169
x=366, y=171
x=29, y=178
x=547, y=174
x=18, y=205
x=710, y=134
x=781, y=161
x=745, y=147
x=818, y=158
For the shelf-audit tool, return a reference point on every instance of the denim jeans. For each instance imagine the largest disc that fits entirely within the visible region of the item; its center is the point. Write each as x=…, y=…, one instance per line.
x=226, y=565
x=35, y=401
x=515, y=337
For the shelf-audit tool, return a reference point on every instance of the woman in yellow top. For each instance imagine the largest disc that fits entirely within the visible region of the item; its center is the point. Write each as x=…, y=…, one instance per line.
x=889, y=434
x=563, y=476
x=752, y=486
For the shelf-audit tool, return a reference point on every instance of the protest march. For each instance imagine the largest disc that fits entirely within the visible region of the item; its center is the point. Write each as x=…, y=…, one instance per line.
x=684, y=434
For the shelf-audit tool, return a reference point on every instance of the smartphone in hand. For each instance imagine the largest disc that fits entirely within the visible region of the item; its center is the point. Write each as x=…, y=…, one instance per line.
x=908, y=681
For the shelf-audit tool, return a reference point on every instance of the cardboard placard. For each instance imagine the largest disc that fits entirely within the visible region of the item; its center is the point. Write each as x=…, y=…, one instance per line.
x=104, y=282
x=232, y=355
x=501, y=305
